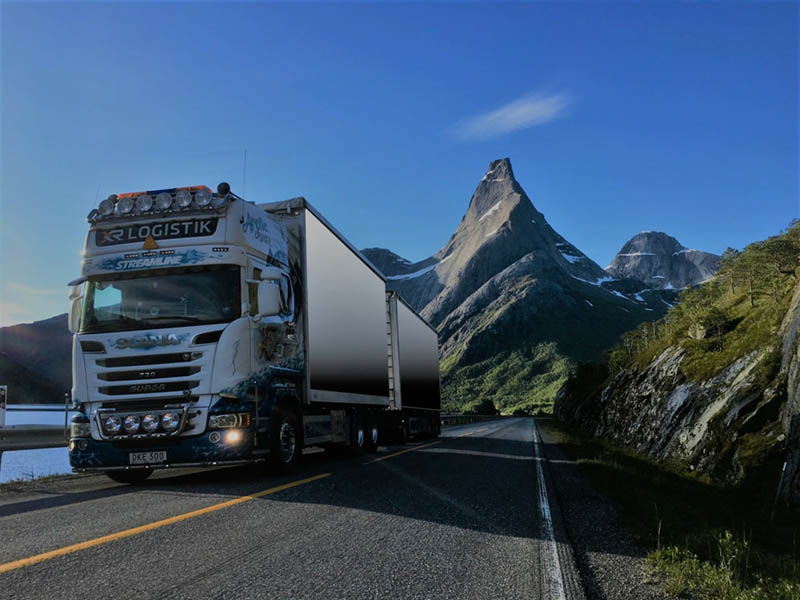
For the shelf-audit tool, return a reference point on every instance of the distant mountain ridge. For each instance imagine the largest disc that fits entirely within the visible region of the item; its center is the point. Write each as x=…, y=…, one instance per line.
x=35, y=361
x=662, y=262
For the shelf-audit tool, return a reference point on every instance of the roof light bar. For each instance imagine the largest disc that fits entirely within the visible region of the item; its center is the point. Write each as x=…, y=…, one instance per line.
x=197, y=197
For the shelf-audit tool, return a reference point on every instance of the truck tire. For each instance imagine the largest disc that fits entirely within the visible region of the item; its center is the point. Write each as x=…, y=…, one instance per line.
x=372, y=432
x=358, y=432
x=285, y=441
x=405, y=432
x=134, y=477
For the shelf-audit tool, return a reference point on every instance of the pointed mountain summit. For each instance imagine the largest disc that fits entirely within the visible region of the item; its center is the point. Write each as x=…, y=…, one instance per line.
x=514, y=302
x=500, y=227
x=662, y=262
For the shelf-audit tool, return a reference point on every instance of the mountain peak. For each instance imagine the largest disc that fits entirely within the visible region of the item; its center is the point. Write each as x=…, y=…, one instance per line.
x=652, y=241
x=662, y=262
x=494, y=189
x=500, y=169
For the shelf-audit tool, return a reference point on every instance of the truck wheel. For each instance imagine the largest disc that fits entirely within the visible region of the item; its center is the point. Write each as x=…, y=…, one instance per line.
x=358, y=432
x=372, y=433
x=134, y=477
x=284, y=441
x=405, y=433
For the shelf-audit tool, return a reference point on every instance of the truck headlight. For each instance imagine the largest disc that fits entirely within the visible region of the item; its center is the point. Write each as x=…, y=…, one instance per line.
x=170, y=421
x=125, y=205
x=112, y=424
x=202, y=198
x=234, y=436
x=183, y=198
x=150, y=423
x=163, y=201
x=227, y=421
x=131, y=424
x=106, y=207
x=80, y=429
x=144, y=203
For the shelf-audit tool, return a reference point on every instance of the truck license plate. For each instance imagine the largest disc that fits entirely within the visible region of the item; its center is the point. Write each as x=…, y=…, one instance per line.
x=147, y=458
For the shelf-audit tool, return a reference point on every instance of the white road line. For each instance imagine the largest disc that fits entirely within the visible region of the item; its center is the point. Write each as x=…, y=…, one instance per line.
x=553, y=566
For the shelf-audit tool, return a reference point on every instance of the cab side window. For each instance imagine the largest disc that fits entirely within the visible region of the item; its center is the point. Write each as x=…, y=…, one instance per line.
x=252, y=291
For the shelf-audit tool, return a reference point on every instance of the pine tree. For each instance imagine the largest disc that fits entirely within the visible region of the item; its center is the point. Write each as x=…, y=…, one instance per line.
x=727, y=269
x=750, y=268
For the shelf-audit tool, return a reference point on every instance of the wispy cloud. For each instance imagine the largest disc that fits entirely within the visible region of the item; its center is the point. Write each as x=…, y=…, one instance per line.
x=528, y=111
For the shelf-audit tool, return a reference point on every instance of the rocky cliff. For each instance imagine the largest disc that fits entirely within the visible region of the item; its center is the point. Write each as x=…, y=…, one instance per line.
x=789, y=490
x=662, y=262
x=734, y=426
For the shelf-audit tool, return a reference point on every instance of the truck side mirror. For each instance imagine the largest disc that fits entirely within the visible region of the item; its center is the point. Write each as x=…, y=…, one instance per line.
x=74, y=320
x=269, y=298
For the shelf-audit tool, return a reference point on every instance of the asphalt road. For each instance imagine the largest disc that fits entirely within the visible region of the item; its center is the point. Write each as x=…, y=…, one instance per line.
x=464, y=516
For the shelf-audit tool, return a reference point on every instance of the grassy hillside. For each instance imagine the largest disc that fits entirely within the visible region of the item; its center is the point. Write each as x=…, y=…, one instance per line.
x=525, y=344
x=735, y=313
x=520, y=380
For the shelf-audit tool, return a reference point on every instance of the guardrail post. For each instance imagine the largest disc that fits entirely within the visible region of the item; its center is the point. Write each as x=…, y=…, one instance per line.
x=3, y=396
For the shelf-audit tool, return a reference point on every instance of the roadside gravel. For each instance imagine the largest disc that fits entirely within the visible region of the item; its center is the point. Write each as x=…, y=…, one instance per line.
x=610, y=562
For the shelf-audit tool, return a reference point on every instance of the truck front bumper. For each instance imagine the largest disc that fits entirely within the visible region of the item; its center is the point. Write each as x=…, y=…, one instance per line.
x=87, y=454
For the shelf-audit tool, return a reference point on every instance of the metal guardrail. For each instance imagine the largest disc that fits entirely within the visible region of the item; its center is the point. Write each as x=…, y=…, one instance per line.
x=29, y=437
x=464, y=419
x=32, y=437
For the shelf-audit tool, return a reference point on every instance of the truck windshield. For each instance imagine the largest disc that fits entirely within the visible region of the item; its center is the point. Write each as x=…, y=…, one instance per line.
x=164, y=298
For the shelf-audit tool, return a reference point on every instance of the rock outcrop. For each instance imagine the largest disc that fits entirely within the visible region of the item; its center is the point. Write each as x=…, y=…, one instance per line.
x=662, y=262
x=730, y=426
x=789, y=490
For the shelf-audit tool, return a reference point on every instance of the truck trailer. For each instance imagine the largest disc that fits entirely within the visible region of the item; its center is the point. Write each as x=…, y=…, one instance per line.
x=209, y=330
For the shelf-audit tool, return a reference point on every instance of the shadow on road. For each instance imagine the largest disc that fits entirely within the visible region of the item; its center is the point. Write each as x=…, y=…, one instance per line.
x=484, y=482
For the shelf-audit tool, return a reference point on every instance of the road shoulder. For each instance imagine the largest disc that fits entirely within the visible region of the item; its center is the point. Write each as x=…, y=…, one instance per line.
x=610, y=562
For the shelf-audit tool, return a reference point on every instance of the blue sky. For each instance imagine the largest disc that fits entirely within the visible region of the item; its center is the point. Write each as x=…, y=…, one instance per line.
x=679, y=117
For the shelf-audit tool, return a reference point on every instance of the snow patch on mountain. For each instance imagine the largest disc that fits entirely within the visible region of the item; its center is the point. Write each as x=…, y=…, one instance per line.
x=570, y=258
x=419, y=273
x=493, y=209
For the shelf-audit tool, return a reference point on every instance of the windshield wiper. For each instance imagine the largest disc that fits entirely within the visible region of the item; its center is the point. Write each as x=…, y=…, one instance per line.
x=121, y=323
x=184, y=318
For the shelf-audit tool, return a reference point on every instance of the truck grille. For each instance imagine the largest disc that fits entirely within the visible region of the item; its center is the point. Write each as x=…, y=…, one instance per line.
x=155, y=378
x=149, y=388
x=148, y=374
x=149, y=359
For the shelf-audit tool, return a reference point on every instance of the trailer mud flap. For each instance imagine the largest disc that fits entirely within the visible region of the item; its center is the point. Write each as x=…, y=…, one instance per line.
x=340, y=432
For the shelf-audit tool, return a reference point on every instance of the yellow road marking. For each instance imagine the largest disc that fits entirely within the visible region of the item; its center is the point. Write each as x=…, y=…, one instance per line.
x=31, y=560
x=473, y=431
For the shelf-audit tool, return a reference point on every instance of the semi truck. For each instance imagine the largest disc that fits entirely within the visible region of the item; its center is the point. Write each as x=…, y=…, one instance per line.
x=209, y=330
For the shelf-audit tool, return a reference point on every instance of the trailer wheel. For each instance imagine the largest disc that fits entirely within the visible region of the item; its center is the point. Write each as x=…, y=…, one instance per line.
x=284, y=441
x=134, y=477
x=358, y=432
x=372, y=432
x=405, y=432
